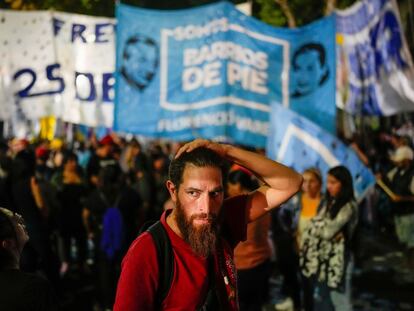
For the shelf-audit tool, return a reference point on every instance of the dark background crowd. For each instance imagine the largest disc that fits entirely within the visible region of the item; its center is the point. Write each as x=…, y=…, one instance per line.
x=63, y=191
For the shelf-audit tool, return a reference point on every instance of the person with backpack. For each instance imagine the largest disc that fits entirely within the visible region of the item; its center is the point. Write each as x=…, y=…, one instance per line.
x=111, y=215
x=185, y=261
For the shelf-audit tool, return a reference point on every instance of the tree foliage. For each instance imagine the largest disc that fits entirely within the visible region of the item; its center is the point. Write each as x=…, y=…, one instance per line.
x=269, y=11
x=304, y=11
x=99, y=7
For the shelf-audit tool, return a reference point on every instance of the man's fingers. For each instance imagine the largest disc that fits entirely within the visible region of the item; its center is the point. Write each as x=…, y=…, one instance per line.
x=179, y=152
x=188, y=147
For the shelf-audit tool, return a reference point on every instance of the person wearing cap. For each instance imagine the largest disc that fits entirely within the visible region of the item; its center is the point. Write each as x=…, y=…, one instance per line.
x=43, y=171
x=400, y=180
x=101, y=158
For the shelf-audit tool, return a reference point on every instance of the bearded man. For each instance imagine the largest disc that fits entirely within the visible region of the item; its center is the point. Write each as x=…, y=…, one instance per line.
x=203, y=229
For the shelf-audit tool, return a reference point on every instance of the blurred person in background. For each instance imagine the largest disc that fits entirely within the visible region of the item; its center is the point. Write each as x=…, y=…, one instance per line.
x=35, y=201
x=115, y=204
x=19, y=290
x=144, y=182
x=327, y=243
x=101, y=158
x=251, y=257
x=5, y=169
x=43, y=171
x=292, y=220
x=400, y=180
x=57, y=150
x=71, y=191
x=160, y=162
x=83, y=152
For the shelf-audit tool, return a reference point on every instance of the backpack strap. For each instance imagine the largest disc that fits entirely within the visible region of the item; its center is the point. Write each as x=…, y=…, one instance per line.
x=211, y=301
x=106, y=201
x=165, y=261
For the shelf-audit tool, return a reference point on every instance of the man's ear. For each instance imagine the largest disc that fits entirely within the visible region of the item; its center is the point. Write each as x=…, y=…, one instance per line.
x=7, y=244
x=172, y=190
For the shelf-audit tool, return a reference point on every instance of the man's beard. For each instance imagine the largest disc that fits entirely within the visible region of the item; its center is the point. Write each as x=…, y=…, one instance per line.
x=202, y=238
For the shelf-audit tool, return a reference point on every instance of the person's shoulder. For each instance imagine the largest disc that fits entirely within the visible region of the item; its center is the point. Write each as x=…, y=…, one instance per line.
x=35, y=291
x=349, y=208
x=35, y=284
x=352, y=204
x=143, y=245
x=141, y=257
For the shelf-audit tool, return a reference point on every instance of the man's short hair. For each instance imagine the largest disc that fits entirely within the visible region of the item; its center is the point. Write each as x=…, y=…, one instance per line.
x=308, y=48
x=200, y=157
x=317, y=47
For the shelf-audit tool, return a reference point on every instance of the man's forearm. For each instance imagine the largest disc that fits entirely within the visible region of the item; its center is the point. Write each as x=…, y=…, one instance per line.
x=274, y=174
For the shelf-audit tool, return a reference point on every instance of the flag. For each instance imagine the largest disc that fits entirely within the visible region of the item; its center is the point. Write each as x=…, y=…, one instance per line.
x=375, y=74
x=299, y=143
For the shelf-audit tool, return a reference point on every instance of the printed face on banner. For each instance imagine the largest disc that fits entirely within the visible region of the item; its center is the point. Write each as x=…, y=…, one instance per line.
x=310, y=69
x=312, y=74
x=139, y=61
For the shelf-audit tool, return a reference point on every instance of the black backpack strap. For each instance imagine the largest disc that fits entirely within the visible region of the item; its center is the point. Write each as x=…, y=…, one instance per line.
x=211, y=301
x=165, y=261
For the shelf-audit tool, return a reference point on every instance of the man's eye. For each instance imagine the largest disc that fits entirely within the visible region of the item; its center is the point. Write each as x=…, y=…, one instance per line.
x=193, y=193
x=215, y=193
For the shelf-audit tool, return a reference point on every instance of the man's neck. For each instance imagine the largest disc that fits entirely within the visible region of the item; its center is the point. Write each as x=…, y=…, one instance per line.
x=170, y=219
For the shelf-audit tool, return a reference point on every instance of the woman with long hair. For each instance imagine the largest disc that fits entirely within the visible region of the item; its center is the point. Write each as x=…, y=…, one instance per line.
x=326, y=252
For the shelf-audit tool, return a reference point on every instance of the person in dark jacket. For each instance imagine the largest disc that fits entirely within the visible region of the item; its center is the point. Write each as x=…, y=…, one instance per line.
x=19, y=290
x=400, y=180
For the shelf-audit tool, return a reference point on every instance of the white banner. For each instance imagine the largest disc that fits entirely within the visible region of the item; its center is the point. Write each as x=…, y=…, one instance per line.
x=57, y=64
x=85, y=49
x=28, y=70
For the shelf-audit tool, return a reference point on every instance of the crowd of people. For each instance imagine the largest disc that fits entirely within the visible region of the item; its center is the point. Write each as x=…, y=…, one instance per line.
x=85, y=203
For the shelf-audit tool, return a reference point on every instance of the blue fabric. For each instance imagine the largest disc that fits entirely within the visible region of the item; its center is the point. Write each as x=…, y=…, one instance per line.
x=112, y=232
x=213, y=72
x=300, y=144
x=374, y=64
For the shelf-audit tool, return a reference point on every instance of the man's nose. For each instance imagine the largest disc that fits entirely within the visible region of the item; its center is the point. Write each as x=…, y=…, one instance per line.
x=206, y=204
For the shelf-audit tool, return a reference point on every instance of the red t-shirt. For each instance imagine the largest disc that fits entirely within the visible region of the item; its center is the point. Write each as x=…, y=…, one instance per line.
x=138, y=282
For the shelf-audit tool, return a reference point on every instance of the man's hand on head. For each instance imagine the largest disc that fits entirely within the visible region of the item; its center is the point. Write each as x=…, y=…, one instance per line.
x=221, y=149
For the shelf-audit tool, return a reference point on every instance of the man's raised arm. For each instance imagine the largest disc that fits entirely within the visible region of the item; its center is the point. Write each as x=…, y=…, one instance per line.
x=280, y=182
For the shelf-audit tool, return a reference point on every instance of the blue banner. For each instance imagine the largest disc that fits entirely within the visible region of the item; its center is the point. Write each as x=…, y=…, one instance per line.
x=375, y=70
x=312, y=73
x=300, y=144
x=214, y=72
